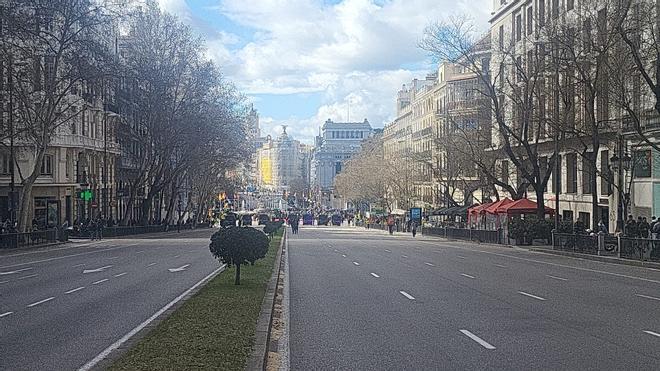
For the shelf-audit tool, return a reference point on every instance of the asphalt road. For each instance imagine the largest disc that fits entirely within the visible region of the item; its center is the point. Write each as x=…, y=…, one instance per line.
x=59, y=308
x=364, y=300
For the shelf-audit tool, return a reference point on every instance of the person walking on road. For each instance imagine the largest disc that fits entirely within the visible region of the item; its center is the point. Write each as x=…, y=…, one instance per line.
x=413, y=228
x=390, y=224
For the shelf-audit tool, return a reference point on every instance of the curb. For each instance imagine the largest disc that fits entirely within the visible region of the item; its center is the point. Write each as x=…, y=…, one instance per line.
x=259, y=356
x=605, y=259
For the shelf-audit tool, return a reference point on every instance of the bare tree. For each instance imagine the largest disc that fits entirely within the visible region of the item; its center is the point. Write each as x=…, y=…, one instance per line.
x=56, y=54
x=513, y=91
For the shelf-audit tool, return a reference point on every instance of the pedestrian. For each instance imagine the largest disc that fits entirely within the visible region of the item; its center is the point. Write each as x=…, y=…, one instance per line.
x=631, y=227
x=644, y=227
x=413, y=228
x=654, y=221
x=602, y=227
x=99, y=228
x=390, y=224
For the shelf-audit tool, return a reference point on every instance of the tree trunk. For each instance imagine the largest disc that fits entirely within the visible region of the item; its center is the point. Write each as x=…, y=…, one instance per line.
x=540, y=203
x=26, y=192
x=238, y=275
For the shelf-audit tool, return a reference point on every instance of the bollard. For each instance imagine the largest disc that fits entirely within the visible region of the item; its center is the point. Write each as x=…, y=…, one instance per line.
x=601, y=242
x=618, y=246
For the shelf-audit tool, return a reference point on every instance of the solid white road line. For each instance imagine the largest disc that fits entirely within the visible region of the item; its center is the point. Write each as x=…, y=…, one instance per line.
x=5, y=314
x=500, y=265
x=557, y=278
x=647, y=297
x=407, y=295
x=99, y=281
x=429, y=264
x=467, y=275
x=41, y=302
x=151, y=264
x=375, y=275
x=652, y=333
x=356, y=263
x=16, y=271
x=477, y=339
x=531, y=296
x=120, y=274
x=74, y=290
x=89, y=365
x=25, y=277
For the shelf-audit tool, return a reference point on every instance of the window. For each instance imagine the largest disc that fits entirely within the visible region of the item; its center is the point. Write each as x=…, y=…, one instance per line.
x=555, y=8
x=605, y=185
x=585, y=219
x=642, y=164
x=556, y=176
x=337, y=167
x=4, y=163
x=47, y=165
x=505, y=172
x=571, y=173
x=587, y=174
x=501, y=38
x=518, y=27
x=530, y=17
x=36, y=83
x=49, y=72
x=570, y=4
x=541, y=15
x=567, y=215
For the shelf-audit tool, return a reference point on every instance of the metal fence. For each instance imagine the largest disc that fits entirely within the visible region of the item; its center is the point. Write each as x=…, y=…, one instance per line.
x=119, y=231
x=639, y=249
x=581, y=243
x=480, y=235
x=13, y=240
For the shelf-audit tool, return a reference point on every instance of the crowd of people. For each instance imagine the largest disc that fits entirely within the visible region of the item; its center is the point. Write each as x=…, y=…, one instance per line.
x=641, y=228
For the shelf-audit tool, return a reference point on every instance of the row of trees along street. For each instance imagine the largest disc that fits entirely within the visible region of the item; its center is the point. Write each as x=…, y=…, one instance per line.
x=560, y=83
x=180, y=120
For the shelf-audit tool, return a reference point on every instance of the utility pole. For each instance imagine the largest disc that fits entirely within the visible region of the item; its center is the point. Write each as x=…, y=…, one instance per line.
x=105, y=163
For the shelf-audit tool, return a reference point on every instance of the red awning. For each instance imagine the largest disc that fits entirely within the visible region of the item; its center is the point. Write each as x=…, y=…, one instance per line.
x=522, y=206
x=478, y=209
x=492, y=209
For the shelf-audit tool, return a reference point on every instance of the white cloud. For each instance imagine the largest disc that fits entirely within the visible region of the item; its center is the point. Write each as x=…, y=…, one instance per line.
x=357, y=50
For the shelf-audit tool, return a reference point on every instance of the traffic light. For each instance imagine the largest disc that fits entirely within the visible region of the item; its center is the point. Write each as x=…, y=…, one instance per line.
x=86, y=195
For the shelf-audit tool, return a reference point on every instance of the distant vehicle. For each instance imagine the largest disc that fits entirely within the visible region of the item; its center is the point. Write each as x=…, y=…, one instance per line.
x=263, y=219
x=308, y=219
x=336, y=219
x=323, y=219
x=246, y=220
x=229, y=220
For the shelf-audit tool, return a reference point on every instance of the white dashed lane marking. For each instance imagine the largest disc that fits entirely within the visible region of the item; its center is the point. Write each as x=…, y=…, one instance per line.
x=375, y=275
x=74, y=290
x=647, y=297
x=429, y=264
x=99, y=281
x=41, y=302
x=476, y=338
x=467, y=275
x=558, y=278
x=356, y=263
x=5, y=314
x=407, y=295
x=531, y=296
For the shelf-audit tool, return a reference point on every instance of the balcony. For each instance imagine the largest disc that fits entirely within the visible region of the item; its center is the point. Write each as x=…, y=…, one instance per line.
x=79, y=141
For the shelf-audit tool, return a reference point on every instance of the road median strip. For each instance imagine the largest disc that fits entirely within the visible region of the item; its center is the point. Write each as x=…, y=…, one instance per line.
x=214, y=329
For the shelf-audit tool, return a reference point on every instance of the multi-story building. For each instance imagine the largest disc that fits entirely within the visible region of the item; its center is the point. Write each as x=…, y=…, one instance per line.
x=82, y=148
x=280, y=164
x=429, y=113
x=337, y=142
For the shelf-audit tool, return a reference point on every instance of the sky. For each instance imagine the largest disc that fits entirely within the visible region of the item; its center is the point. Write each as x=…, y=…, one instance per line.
x=301, y=62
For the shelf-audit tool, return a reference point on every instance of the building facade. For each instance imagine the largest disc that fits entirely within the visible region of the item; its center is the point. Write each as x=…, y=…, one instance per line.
x=337, y=142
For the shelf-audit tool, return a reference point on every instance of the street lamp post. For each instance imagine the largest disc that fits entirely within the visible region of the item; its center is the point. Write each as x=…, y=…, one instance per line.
x=621, y=163
x=12, y=180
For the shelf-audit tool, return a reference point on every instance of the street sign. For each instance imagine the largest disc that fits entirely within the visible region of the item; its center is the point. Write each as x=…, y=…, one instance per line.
x=416, y=214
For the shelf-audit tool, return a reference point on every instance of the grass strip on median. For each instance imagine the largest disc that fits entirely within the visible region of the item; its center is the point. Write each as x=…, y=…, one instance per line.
x=213, y=330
